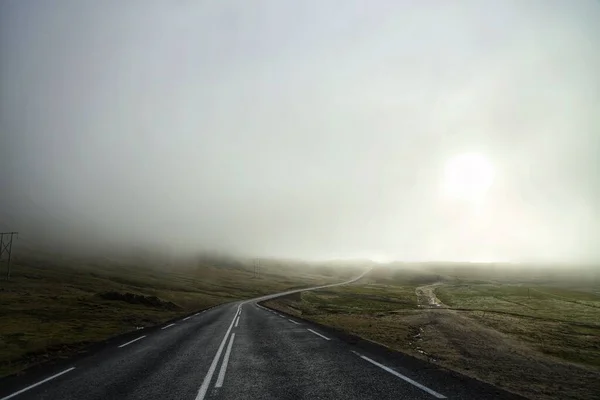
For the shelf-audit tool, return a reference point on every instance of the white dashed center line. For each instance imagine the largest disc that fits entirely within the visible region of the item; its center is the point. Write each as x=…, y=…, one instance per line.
x=168, y=326
x=211, y=370
x=223, y=370
x=291, y=320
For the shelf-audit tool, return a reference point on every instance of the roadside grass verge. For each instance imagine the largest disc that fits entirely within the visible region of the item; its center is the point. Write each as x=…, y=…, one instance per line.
x=54, y=307
x=539, y=338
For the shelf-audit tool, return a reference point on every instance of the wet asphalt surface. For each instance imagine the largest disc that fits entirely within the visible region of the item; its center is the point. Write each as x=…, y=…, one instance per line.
x=242, y=350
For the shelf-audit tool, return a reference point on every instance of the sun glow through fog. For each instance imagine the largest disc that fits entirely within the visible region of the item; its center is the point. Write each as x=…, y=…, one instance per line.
x=468, y=177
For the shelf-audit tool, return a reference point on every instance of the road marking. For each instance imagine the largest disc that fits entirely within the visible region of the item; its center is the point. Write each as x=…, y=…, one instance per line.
x=10, y=396
x=197, y=313
x=399, y=375
x=134, y=340
x=281, y=315
x=221, y=376
x=168, y=326
x=186, y=318
x=318, y=334
x=237, y=321
x=291, y=320
x=211, y=370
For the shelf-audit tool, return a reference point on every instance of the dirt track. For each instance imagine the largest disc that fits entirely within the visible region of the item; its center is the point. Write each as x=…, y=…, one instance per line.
x=427, y=298
x=465, y=342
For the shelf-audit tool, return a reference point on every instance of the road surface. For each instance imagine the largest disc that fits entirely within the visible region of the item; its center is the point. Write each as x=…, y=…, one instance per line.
x=242, y=350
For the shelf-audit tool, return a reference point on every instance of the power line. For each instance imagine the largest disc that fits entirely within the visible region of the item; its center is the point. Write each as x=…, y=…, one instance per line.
x=7, y=248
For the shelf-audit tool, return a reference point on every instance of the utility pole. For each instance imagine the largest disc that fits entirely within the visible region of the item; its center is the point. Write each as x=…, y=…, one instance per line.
x=256, y=268
x=7, y=248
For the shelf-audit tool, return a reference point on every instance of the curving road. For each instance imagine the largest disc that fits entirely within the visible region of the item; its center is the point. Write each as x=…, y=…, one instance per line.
x=245, y=351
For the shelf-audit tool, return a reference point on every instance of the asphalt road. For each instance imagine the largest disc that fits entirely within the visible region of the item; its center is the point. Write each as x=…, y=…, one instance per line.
x=245, y=351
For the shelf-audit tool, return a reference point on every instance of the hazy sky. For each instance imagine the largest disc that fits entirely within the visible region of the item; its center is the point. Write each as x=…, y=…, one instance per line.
x=305, y=128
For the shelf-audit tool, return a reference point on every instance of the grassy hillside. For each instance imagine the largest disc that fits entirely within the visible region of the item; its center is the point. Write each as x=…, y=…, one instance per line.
x=532, y=331
x=54, y=306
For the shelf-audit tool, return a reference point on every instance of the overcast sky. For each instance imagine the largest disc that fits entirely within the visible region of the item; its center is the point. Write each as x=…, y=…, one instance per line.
x=306, y=128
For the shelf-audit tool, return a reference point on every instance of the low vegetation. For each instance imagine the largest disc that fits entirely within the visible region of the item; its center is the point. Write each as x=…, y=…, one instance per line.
x=56, y=306
x=535, y=332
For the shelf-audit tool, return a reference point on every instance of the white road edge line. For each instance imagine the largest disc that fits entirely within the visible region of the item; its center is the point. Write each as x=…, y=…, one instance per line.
x=318, y=334
x=237, y=321
x=134, y=340
x=399, y=375
x=291, y=320
x=221, y=376
x=10, y=396
x=168, y=326
x=186, y=318
x=211, y=370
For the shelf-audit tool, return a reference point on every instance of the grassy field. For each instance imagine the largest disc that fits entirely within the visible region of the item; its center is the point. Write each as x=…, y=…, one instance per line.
x=55, y=306
x=531, y=332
